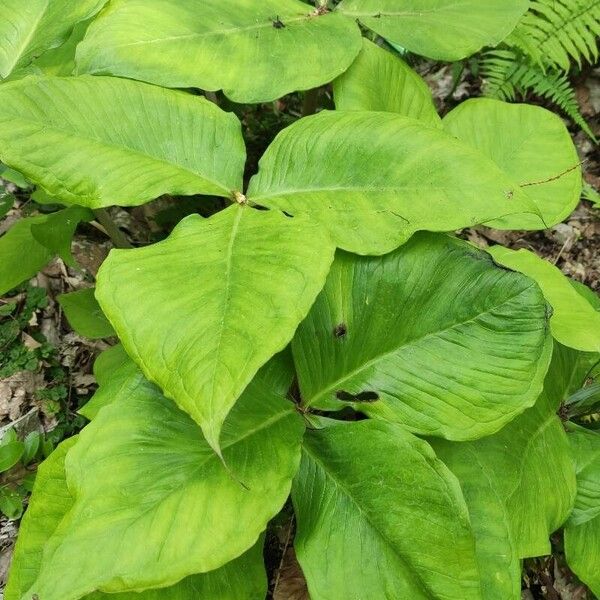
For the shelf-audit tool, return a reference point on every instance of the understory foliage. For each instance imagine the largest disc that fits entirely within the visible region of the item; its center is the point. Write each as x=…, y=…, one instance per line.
x=538, y=55
x=320, y=333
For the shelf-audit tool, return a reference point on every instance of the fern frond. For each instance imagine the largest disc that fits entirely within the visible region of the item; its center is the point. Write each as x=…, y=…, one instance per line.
x=554, y=32
x=507, y=74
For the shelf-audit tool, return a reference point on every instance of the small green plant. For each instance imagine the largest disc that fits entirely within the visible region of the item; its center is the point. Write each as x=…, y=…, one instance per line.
x=319, y=333
x=17, y=468
x=538, y=55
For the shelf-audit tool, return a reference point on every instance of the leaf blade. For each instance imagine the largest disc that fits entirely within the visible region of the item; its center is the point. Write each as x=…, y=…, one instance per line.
x=255, y=52
x=373, y=517
x=165, y=503
x=532, y=146
x=440, y=29
x=115, y=153
x=430, y=331
x=373, y=179
x=255, y=275
x=574, y=322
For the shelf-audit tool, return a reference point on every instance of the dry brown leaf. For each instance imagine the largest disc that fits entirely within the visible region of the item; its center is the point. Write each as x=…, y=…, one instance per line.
x=291, y=584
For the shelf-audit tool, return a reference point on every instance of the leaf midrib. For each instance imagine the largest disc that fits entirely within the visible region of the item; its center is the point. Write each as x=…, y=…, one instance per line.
x=268, y=24
x=336, y=384
x=226, y=300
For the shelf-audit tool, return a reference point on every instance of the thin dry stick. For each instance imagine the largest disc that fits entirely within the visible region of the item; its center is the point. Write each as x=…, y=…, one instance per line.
x=561, y=250
x=285, y=547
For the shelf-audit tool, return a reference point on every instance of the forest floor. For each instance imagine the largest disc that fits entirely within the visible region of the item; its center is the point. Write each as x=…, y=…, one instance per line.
x=49, y=394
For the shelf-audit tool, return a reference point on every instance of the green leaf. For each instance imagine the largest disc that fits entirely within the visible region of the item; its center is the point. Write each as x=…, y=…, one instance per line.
x=574, y=322
x=28, y=29
x=381, y=81
x=57, y=230
x=85, y=315
x=532, y=146
x=154, y=503
x=47, y=506
x=582, y=550
x=440, y=29
x=11, y=503
x=582, y=532
x=9, y=437
x=22, y=255
x=59, y=61
x=519, y=485
x=33, y=241
x=31, y=448
x=137, y=143
x=242, y=579
x=375, y=178
x=591, y=195
x=433, y=336
x=108, y=362
x=10, y=454
x=7, y=201
x=225, y=294
x=380, y=517
x=254, y=51
x=14, y=177
x=118, y=378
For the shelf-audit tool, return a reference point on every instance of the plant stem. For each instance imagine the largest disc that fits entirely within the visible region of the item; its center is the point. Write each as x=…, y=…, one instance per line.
x=114, y=233
x=311, y=102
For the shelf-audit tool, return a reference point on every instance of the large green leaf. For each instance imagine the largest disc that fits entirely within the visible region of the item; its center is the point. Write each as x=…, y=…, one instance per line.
x=254, y=51
x=433, y=335
x=440, y=29
x=225, y=294
x=574, y=322
x=380, y=517
x=241, y=579
x=29, y=28
x=98, y=141
x=532, y=146
x=519, y=484
x=375, y=178
x=154, y=503
x=380, y=81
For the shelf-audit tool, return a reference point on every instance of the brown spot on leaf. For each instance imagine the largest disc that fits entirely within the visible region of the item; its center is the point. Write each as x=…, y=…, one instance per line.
x=340, y=330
